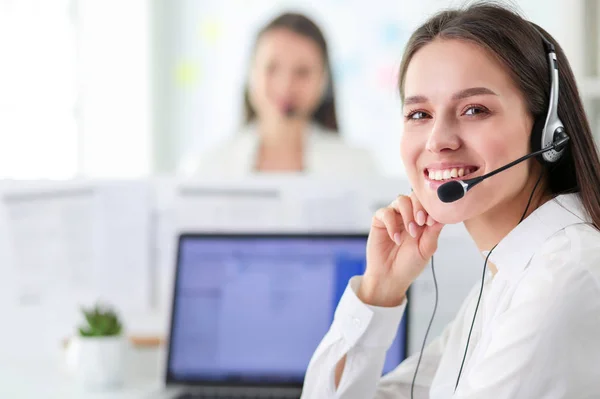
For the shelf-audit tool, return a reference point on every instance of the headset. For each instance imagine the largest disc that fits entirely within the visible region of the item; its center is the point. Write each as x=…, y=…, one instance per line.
x=553, y=130
x=548, y=138
x=548, y=143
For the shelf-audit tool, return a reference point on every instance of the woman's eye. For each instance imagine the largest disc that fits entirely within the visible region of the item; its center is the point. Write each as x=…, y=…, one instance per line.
x=416, y=115
x=473, y=111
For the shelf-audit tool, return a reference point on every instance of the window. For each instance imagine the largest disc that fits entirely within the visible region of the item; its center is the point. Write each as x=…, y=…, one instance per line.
x=38, y=94
x=74, y=89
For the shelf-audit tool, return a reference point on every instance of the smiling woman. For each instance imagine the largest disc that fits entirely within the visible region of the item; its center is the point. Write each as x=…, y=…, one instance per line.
x=463, y=109
x=482, y=87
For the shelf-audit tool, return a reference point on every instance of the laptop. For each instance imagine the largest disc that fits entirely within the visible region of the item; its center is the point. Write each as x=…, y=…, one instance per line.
x=249, y=310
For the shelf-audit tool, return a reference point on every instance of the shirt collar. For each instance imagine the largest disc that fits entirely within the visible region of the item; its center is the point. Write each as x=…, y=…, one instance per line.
x=513, y=252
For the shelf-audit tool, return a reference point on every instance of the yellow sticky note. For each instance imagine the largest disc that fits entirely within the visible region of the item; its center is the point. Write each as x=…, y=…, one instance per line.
x=187, y=74
x=210, y=31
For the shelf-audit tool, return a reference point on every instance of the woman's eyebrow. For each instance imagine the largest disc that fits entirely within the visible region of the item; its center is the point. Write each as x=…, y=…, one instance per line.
x=472, y=91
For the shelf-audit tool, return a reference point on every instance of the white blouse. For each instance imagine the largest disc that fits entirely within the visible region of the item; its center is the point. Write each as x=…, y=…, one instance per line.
x=327, y=154
x=536, y=335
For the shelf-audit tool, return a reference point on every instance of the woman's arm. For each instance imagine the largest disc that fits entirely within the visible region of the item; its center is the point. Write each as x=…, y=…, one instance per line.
x=360, y=336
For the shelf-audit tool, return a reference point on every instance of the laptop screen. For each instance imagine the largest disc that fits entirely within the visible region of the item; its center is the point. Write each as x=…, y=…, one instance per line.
x=252, y=309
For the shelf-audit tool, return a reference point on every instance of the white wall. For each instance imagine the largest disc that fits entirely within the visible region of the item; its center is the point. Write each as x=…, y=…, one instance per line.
x=75, y=89
x=38, y=130
x=114, y=87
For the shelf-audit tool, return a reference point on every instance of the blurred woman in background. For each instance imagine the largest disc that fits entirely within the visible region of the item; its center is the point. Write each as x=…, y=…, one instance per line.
x=290, y=118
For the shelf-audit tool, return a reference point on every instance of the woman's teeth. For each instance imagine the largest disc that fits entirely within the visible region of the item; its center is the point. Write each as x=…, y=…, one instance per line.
x=449, y=173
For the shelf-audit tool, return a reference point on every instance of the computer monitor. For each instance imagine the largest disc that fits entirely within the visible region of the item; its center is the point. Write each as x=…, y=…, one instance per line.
x=250, y=309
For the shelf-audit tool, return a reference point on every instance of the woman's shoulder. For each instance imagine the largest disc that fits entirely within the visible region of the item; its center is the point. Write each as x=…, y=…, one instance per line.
x=220, y=155
x=567, y=264
x=564, y=250
x=335, y=140
x=579, y=240
x=332, y=144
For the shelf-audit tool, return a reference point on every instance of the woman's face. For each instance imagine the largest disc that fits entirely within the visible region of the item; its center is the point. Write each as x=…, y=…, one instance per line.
x=287, y=73
x=463, y=117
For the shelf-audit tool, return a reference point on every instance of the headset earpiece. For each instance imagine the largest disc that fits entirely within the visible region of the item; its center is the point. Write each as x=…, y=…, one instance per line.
x=546, y=131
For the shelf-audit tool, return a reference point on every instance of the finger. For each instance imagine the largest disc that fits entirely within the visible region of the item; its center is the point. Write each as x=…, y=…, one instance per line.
x=428, y=242
x=419, y=212
x=392, y=222
x=403, y=205
x=430, y=221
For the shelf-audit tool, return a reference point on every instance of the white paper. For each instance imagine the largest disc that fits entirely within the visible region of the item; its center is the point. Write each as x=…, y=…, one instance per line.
x=51, y=240
x=223, y=208
x=79, y=242
x=323, y=206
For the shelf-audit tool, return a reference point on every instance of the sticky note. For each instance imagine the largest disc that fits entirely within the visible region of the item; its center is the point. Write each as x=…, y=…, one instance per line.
x=187, y=74
x=210, y=30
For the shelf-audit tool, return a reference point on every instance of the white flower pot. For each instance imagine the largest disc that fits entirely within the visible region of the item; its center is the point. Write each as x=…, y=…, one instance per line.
x=98, y=363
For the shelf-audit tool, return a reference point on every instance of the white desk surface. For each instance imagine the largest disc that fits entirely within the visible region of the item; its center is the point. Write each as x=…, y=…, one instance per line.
x=49, y=379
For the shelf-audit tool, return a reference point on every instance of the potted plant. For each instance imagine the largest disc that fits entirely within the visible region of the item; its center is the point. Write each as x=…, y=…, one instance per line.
x=99, y=349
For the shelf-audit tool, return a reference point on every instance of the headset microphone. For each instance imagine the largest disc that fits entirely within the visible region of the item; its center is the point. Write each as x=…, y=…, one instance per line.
x=456, y=189
x=293, y=111
x=290, y=111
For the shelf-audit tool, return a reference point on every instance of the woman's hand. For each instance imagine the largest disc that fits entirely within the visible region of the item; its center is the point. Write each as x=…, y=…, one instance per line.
x=401, y=241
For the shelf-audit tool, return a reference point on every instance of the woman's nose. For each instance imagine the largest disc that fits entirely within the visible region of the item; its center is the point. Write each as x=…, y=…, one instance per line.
x=443, y=137
x=284, y=84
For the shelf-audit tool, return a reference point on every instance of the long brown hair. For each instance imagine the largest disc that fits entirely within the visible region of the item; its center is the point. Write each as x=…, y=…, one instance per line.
x=516, y=42
x=325, y=113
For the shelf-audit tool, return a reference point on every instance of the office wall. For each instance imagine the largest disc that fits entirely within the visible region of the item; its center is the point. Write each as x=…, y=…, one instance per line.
x=202, y=49
x=75, y=89
x=113, y=64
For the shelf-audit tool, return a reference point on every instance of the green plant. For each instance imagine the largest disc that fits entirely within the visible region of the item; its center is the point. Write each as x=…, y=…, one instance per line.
x=100, y=322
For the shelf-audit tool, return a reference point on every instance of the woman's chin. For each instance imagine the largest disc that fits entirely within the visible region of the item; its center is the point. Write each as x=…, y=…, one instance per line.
x=447, y=213
x=448, y=219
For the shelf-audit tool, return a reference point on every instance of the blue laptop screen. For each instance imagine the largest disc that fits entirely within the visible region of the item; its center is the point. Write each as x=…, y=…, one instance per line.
x=254, y=309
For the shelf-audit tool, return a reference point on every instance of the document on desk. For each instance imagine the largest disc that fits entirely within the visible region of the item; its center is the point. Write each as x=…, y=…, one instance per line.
x=79, y=242
x=51, y=240
x=228, y=207
x=327, y=205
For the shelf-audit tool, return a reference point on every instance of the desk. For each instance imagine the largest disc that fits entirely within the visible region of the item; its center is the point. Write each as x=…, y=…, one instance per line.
x=48, y=378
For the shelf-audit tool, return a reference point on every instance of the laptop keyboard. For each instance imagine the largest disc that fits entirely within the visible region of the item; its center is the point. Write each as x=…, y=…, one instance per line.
x=241, y=394
x=228, y=396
